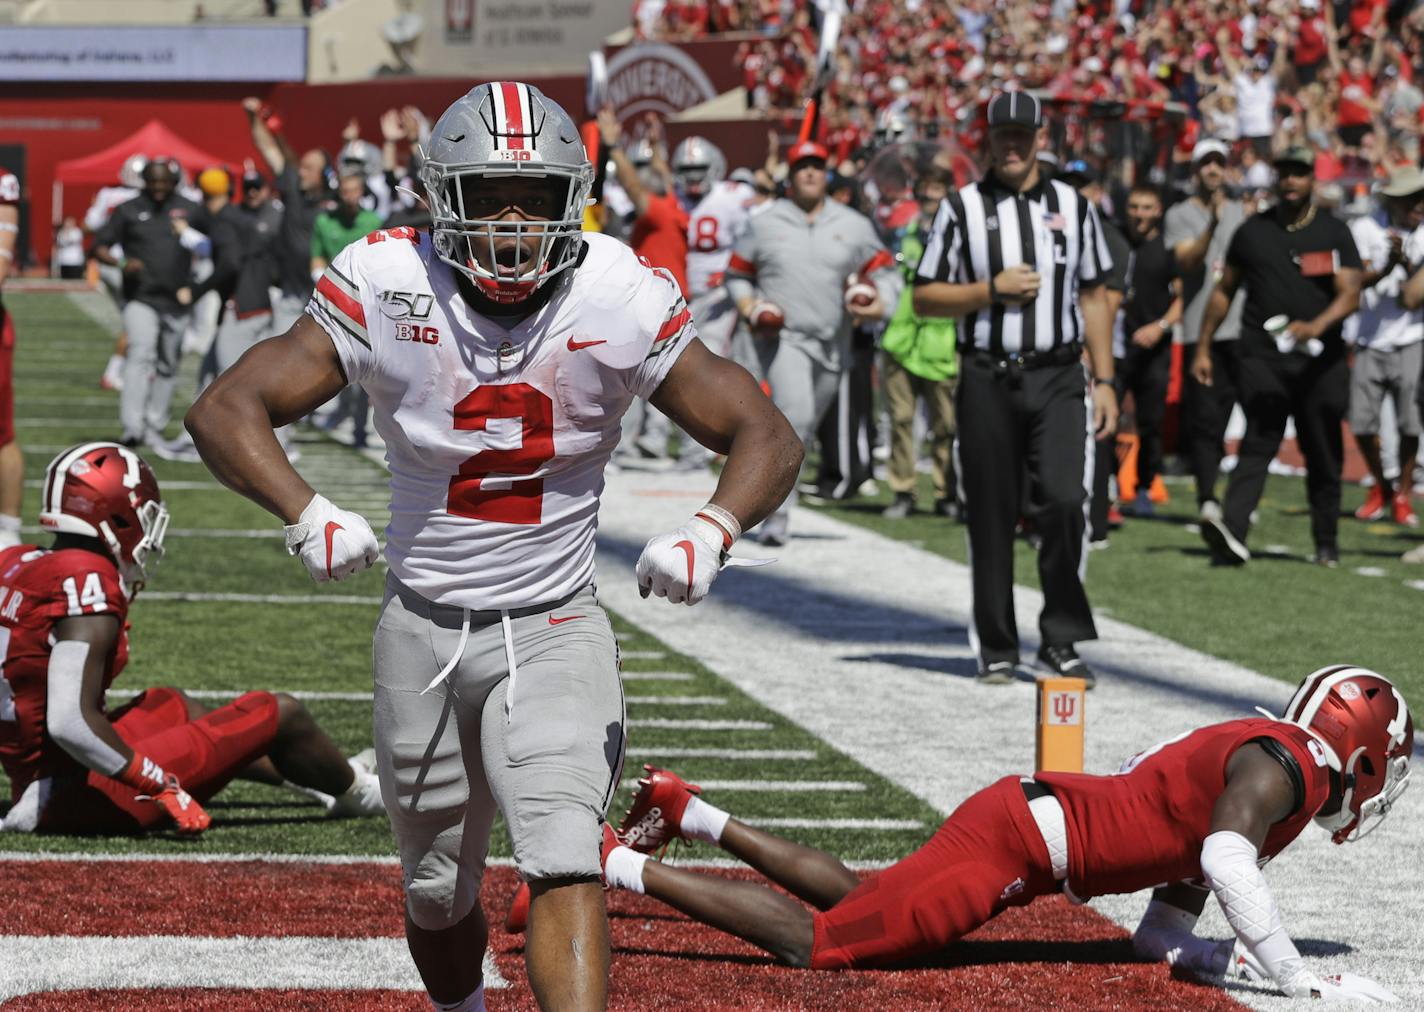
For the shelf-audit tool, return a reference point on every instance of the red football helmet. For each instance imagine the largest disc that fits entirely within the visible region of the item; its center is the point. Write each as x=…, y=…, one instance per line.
x=107, y=491
x=1364, y=726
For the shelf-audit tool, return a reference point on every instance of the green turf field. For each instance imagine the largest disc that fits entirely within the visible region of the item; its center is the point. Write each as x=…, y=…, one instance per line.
x=1280, y=614
x=322, y=644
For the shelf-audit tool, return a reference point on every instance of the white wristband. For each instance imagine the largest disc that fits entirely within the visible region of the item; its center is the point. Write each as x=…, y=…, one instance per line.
x=724, y=519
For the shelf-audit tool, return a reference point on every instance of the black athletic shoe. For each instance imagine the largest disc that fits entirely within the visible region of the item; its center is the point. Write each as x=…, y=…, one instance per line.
x=997, y=673
x=1225, y=548
x=1327, y=556
x=1062, y=659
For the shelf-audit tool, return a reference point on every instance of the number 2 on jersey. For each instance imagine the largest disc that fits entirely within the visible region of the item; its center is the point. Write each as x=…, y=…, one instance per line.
x=520, y=501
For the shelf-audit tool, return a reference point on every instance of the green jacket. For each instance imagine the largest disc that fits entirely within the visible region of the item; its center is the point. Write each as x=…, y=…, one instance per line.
x=923, y=345
x=330, y=236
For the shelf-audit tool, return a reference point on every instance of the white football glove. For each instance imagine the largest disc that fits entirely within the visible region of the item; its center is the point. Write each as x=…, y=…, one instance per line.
x=682, y=565
x=334, y=543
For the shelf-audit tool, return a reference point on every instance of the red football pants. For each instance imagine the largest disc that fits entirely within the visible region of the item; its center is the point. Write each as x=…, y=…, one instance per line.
x=204, y=754
x=987, y=856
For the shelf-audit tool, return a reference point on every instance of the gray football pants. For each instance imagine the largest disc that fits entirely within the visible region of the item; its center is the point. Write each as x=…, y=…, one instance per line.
x=546, y=746
x=150, y=368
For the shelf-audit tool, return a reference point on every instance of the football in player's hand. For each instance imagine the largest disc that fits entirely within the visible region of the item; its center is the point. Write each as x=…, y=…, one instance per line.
x=766, y=318
x=859, y=295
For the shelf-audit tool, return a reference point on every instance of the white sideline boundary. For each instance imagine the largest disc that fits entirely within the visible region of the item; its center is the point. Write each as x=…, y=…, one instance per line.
x=748, y=754
x=774, y=786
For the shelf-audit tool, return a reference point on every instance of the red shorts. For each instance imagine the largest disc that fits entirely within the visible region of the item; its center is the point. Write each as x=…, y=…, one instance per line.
x=204, y=754
x=988, y=856
x=7, y=378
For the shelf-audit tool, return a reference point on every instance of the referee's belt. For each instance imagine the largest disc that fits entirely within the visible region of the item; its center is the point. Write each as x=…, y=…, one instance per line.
x=1064, y=354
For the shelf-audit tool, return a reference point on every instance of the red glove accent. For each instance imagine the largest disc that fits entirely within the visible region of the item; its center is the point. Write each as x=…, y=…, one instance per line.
x=153, y=784
x=143, y=775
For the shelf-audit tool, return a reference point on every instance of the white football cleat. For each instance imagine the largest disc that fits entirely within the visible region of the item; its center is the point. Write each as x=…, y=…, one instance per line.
x=363, y=797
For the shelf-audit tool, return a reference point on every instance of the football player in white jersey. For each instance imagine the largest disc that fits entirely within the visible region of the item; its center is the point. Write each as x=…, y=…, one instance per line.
x=719, y=215
x=499, y=351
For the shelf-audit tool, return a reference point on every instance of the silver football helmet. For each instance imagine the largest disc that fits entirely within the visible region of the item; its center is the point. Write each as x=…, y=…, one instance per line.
x=131, y=172
x=359, y=158
x=697, y=166
x=505, y=129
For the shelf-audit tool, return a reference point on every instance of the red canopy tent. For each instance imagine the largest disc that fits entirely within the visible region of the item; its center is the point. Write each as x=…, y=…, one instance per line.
x=102, y=167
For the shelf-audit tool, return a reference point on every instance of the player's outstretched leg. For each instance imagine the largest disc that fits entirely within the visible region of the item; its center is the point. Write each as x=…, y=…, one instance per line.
x=666, y=807
x=305, y=756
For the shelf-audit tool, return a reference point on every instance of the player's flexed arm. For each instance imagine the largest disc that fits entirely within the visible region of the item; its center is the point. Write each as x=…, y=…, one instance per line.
x=1259, y=793
x=232, y=423
x=719, y=404
x=75, y=719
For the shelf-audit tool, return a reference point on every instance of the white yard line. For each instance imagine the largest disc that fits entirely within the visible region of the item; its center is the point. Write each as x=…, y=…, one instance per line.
x=189, y=596
x=341, y=697
x=869, y=825
x=773, y=786
x=62, y=962
x=657, y=676
x=643, y=655
x=748, y=754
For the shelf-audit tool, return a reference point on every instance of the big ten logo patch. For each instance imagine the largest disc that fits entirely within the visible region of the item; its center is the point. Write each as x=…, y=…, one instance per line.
x=1064, y=709
x=417, y=334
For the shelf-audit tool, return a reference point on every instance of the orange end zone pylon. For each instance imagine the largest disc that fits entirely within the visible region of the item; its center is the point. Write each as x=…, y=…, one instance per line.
x=1059, y=736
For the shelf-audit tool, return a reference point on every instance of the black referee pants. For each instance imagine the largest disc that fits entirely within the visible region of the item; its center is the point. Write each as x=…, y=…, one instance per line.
x=1206, y=412
x=1316, y=393
x=1145, y=373
x=1032, y=424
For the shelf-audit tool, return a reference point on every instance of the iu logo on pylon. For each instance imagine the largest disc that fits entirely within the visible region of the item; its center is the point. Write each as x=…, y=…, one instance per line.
x=1064, y=708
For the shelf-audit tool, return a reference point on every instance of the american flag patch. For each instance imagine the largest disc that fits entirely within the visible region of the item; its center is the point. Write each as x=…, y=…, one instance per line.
x=1055, y=221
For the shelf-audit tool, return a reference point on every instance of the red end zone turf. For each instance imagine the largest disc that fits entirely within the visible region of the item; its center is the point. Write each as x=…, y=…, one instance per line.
x=1047, y=955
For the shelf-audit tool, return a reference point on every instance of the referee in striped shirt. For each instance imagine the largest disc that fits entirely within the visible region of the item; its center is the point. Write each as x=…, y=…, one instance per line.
x=1021, y=261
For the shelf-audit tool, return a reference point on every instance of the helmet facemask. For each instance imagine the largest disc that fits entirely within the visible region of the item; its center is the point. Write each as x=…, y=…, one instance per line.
x=153, y=520
x=494, y=253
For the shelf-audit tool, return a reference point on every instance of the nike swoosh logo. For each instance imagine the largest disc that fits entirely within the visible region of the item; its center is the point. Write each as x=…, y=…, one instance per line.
x=331, y=528
x=577, y=345
x=560, y=621
x=691, y=554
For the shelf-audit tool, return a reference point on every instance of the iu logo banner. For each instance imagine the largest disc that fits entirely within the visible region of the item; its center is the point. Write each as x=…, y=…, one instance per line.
x=459, y=20
x=1064, y=709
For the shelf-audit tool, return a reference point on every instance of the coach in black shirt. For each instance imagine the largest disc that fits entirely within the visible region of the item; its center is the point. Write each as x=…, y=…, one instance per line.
x=159, y=231
x=1144, y=340
x=1301, y=273
x=1020, y=260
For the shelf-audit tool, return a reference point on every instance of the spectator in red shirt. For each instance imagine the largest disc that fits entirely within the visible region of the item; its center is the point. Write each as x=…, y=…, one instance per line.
x=1312, y=41
x=660, y=221
x=1357, y=107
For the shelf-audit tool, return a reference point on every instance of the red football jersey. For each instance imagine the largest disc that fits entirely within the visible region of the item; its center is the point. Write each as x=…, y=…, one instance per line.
x=38, y=588
x=1144, y=826
x=660, y=236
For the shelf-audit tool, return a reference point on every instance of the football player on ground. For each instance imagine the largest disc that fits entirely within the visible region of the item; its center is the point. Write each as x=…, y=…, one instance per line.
x=1203, y=811
x=75, y=767
x=500, y=351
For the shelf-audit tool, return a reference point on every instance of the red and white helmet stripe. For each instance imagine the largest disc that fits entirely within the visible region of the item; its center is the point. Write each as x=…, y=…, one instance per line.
x=1311, y=695
x=513, y=117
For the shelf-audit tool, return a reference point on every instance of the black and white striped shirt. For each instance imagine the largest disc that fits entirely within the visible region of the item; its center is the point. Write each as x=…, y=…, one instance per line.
x=984, y=227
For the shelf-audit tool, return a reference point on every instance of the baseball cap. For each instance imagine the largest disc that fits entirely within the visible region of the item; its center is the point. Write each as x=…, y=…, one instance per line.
x=1078, y=173
x=214, y=182
x=1404, y=182
x=802, y=150
x=1208, y=147
x=1015, y=108
x=1296, y=154
x=743, y=175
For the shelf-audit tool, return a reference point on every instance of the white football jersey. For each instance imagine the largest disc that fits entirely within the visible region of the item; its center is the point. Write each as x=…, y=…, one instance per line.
x=496, y=439
x=713, y=228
